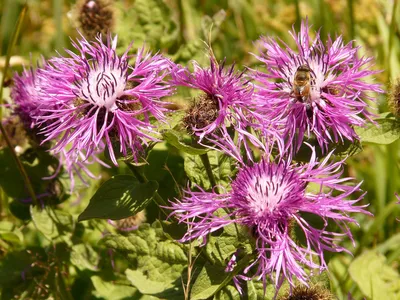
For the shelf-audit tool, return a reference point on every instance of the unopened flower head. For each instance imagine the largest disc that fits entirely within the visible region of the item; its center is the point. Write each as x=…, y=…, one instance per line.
x=95, y=16
x=313, y=292
x=102, y=100
x=318, y=91
x=271, y=199
x=225, y=102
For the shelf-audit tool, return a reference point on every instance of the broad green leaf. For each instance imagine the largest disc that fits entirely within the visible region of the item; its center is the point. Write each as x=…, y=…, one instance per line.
x=118, y=198
x=223, y=168
x=386, y=132
x=208, y=282
x=144, y=285
x=175, y=138
x=228, y=293
x=151, y=253
x=53, y=224
x=374, y=277
x=255, y=290
x=10, y=233
x=109, y=290
x=84, y=257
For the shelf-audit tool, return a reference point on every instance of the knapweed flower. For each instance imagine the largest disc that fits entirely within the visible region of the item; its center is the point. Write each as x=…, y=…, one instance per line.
x=26, y=103
x=102, y=100
x=314, y=292
x=272, y=199
x=317, y=91
x=225, y=102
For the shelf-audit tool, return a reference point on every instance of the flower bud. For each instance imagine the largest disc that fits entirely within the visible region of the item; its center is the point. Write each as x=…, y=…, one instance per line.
x=95, y=16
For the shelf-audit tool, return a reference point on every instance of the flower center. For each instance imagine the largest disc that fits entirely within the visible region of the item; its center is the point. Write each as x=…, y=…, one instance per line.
x=267, y=190
x=103, y=87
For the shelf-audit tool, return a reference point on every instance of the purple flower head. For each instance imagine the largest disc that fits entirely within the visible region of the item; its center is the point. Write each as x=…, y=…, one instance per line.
x=26, y=106
x=318, y=90
x=100, y=99
x=25, y=99
x=271, y=199
x=225, y=102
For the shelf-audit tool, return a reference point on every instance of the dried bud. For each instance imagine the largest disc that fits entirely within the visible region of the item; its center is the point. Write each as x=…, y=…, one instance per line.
x=130, y=223
x=202, y=113
x=95, y=16
x=314, y=292
x=394, y=98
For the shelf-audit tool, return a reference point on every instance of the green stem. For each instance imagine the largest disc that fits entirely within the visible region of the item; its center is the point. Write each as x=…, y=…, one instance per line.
x=9, y=52
x=207, y=166
x=298, y=15
x=20, y=165
x=143, y=179
x=351, y=18
x=392, y=31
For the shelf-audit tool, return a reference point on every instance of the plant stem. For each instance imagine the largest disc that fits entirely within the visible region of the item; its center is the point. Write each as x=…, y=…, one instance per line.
x=20, y=165
x=9, y=52
x=143, y=179
x=298, y=15
x=392, y=31
x=207, y=166
x=351, y=18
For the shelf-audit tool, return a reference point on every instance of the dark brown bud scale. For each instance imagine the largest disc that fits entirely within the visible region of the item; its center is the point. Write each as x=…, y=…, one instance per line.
x=95, y=16
x=394, y=98
x=302, y=292
x=203, y=112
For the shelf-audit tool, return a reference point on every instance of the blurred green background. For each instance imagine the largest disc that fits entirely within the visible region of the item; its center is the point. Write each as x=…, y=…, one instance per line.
x=180, y=27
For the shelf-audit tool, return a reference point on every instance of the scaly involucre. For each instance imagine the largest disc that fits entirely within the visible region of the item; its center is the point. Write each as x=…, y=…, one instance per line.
x=338, y=91
x=271, y=199
x=95, y=98
x=225, y=103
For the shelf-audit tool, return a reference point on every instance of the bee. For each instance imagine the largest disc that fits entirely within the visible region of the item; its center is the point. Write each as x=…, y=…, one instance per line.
x=302, y=86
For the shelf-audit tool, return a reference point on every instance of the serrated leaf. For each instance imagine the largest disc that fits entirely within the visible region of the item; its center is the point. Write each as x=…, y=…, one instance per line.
x=147, y=21
x=147, y=248
x=52, y=223
x=386, y=132
x=374, y=277
x=84, y=257
x=174, y=138
x=109, y=290
x=223, y=168
x=118, y=198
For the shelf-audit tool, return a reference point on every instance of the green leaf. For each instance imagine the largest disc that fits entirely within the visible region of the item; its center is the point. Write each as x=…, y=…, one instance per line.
x=175, y=138
x=374, y=277
x=223, y=168
x=84, y=257
x=208, y=282
x=144, y=285
x=228, y=293
x=147, y=21
x=118, y=198
x=10, y=233
x=53, y=224
x=255, y=290
x=387, y=131
x=108, y=290
x=151, y=253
